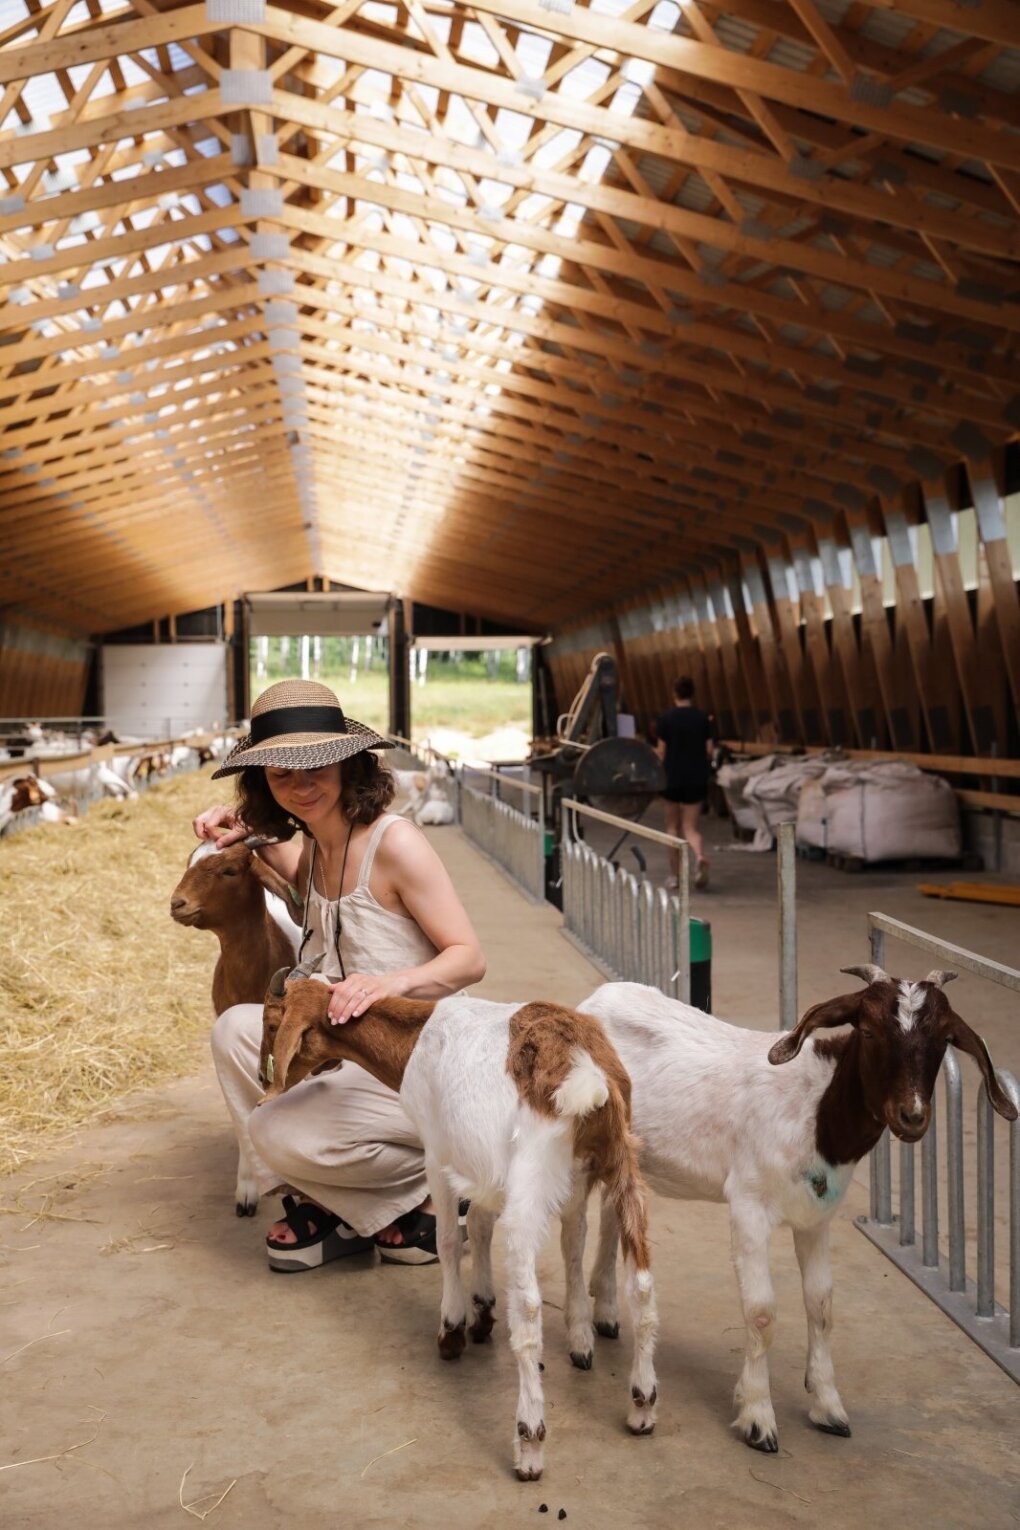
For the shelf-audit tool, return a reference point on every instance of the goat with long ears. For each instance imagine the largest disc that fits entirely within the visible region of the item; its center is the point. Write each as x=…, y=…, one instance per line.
x=774, y=1126
x=246, y=904
x=520, y=1109
x=901, y=1031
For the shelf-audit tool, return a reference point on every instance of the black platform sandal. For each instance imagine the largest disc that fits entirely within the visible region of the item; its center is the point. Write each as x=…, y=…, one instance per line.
x=321, y=1237
x=418, y=1229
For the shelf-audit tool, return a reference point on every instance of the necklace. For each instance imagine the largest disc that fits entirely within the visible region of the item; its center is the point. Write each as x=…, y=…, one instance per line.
x=306, y=931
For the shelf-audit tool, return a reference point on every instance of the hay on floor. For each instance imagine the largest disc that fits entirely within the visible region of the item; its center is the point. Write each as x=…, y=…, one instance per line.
x=102, y=993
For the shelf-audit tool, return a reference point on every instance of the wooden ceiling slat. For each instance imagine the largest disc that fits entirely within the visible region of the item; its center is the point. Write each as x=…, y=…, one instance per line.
x=780, y=297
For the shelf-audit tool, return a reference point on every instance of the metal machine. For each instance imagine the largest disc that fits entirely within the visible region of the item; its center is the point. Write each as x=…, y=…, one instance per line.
x=593, y=763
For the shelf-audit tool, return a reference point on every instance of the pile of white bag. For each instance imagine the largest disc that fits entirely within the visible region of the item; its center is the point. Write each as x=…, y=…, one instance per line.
x=872, y=810
x=879, y=811
x=761, y=794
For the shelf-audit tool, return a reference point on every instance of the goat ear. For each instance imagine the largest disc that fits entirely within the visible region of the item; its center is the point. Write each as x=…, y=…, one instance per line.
x=286, y=1045
x=271, y=880
x=967, y=1040
x=839, y=1011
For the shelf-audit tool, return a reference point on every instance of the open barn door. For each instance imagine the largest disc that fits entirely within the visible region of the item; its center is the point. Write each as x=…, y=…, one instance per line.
x=339, y=637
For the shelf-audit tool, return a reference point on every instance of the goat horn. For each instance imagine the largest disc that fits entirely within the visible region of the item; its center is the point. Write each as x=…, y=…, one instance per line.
x=940, y=977
x=278, y=983
x=868, y=973
x=306, y=968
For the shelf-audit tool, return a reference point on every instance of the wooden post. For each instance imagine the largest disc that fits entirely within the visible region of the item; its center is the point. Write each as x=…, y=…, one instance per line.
x=400, y=688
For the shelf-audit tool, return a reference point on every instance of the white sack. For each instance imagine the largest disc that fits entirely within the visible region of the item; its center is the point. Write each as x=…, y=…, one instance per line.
x=889, y=811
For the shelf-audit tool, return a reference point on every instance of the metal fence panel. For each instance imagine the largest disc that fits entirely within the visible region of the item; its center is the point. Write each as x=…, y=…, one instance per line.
x=635, y=932
x=994, y=1327
x=514, y=840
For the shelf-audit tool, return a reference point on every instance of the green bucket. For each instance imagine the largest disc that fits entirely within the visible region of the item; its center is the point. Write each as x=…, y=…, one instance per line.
x=701, y=965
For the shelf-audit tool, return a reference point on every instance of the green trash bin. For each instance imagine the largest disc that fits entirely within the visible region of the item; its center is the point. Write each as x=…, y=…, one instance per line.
x=701, y=965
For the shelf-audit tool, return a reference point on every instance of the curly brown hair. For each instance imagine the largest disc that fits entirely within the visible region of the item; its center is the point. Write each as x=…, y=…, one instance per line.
x=367, y=788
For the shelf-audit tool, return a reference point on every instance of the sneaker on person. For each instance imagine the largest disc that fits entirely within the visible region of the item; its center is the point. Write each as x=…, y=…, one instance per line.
x=672, y=884
x=701, y=875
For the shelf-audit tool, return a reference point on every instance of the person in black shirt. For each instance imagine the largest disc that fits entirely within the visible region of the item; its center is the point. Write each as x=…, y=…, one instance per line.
x=685, y=736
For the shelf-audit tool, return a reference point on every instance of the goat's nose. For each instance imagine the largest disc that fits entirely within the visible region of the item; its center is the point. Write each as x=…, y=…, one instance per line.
x=914, y=1115
x=176, y=903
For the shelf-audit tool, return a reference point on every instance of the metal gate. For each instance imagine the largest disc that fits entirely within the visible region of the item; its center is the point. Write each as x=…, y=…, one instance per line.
x=972, y=1305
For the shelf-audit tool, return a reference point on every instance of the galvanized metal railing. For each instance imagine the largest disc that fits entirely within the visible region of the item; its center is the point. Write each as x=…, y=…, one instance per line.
x=971, y=1305
x=631, y=929
x=514, y=837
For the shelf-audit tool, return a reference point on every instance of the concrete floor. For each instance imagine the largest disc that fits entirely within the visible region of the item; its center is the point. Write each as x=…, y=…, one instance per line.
x=142, y=1334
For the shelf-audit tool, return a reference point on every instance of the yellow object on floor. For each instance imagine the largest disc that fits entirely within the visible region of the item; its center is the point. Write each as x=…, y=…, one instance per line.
x=973, y=892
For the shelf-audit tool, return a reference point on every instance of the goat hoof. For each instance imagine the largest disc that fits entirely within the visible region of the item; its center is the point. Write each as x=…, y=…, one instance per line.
x=833, y=1426
x=646, y=1426
x=245, y=1209
x=485, y=1321
x=582, y=1361
x=608, y=1330
x=528, y=1473
x=528, y=1443
x=451, y=1341
x=768, y=1443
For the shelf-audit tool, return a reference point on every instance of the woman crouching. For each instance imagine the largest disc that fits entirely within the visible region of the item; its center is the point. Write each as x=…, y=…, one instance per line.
x=381, y=911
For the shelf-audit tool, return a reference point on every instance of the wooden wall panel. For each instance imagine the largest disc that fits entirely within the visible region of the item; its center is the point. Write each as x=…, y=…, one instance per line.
x=42, y=674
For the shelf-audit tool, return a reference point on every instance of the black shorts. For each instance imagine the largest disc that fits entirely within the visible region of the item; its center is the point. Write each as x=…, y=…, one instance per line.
x=688, y=795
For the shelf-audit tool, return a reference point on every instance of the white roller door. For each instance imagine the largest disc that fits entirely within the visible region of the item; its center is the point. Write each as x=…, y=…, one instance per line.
x=159, y=690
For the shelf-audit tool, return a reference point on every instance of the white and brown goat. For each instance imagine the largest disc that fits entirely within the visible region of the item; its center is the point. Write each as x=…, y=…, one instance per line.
x=719, y=1119
x=521, y=1109
x=234, y=893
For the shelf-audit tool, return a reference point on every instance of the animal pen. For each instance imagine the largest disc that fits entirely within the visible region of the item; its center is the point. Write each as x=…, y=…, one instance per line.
x=664, y=340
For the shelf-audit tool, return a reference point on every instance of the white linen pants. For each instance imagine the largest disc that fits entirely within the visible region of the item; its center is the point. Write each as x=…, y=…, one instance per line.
x=342, y=1139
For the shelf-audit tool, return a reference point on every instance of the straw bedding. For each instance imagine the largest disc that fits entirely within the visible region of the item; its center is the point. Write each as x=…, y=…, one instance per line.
x=102, y=993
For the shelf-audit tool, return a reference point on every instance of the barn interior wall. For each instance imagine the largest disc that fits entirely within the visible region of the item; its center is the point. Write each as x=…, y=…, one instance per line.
x=42, y=673
x=856, y=641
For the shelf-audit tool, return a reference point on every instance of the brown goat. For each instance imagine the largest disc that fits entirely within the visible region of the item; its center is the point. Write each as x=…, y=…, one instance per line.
x=520, y=1109
x=224, y=891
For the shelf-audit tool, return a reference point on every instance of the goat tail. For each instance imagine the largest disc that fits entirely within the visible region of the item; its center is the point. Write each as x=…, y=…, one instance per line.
x=628, y=1193
x=615, y=1164
x=584, y=1088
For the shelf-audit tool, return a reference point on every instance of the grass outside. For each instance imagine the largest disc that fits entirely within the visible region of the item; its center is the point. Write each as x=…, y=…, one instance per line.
x=468, y=704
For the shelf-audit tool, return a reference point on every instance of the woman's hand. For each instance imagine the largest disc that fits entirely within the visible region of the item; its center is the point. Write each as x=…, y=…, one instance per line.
x=220, y=823
x=352, y=997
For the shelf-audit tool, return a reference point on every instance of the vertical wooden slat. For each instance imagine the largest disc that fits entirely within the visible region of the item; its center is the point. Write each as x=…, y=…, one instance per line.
x=835, y=721
x=749, y=659
x=980, y=725
x=992, y=531
x=805, y=700
x=911, y=621
x=780, y=701
x=875, y=626
x=858, y=673
x=711, y=646
x=728, y=650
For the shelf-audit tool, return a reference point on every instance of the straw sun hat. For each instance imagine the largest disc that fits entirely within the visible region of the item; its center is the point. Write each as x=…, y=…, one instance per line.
x=299, y=725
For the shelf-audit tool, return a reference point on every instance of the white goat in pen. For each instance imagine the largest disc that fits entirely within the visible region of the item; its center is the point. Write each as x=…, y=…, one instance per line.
x=521, y=1109
x=423, y=795
x=719, y=1120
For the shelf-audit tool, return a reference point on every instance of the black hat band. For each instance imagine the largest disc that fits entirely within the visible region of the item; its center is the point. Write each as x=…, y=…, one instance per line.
x=285, y=720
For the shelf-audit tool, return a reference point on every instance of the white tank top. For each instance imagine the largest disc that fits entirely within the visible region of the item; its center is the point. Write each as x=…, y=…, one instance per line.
x=373, y=939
